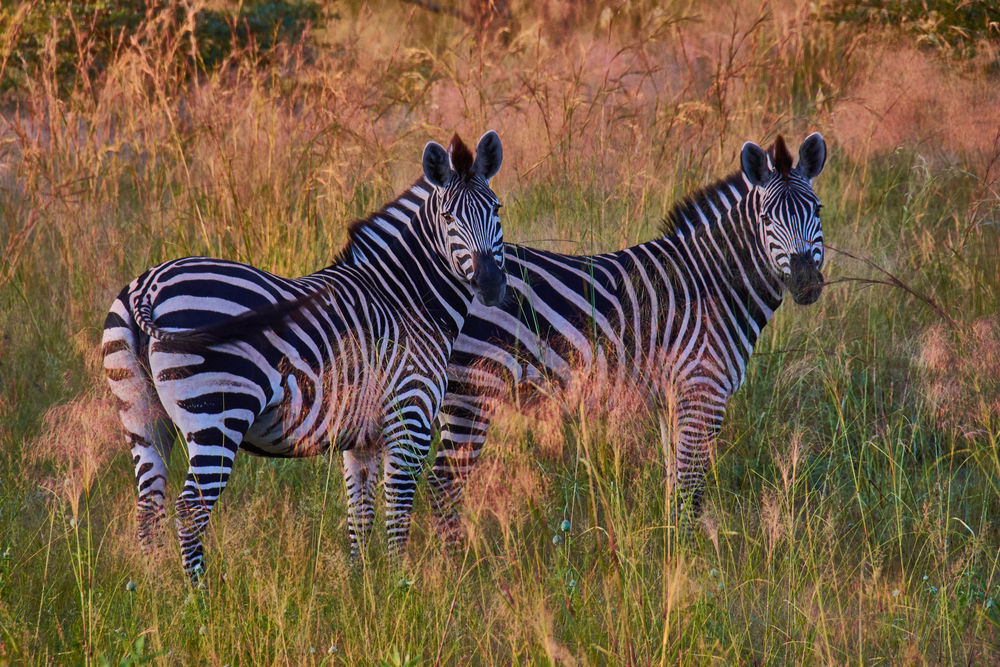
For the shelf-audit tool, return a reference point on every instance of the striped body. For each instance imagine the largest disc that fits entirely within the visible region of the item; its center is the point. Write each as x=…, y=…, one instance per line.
x=353, y=357
x=676, y=317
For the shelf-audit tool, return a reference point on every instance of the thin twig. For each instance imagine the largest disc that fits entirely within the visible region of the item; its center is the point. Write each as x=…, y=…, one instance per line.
x=892, y=281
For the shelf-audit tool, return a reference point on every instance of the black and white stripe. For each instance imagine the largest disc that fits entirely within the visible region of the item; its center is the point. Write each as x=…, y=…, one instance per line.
x=230, y=357
x=678, y=315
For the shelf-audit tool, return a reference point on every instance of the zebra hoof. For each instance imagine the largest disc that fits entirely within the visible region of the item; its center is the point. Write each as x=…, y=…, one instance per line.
x=196, y=575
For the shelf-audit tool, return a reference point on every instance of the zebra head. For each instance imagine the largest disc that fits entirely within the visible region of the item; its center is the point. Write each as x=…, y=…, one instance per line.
x=788, y=210
x=468, y=212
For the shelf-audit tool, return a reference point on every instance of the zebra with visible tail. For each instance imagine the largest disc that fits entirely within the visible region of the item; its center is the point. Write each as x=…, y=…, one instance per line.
x=353, y=356
x=681, y=312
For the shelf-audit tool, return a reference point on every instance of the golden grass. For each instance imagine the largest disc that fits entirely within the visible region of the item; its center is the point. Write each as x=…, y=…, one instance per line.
x=860, y=457
x=907, y=97
x=961, y=374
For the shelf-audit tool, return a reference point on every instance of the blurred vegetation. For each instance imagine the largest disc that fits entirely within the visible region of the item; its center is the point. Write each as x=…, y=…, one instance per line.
x=84, y=37
x=952, y=27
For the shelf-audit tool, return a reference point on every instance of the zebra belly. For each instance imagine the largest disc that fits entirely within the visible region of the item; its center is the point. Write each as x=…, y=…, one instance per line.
x=306, y=417
x=269, y=437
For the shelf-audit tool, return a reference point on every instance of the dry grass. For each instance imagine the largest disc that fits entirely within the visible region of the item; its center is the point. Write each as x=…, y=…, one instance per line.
x=961, y=375
x=907, y=97
x=860, y=458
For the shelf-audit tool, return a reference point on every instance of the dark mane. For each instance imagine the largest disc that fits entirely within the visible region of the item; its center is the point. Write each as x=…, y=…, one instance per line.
x=461, y=157
x=782, y=158
x=685, y=216
x=355, y=227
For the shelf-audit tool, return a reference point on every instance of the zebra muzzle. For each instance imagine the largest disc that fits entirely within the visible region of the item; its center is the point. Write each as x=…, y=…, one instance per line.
x=805, y=281
x=488, y=279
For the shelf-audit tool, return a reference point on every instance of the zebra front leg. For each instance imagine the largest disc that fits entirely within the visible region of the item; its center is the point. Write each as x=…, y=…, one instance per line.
x=463, y=427
x=696, y=426
x=210, y=460
x=407, y=445
x=360, y=475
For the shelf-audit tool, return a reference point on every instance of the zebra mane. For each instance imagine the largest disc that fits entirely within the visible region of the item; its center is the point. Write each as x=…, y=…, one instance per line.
x=398, y=211
x=462, y=158
x=695, y=211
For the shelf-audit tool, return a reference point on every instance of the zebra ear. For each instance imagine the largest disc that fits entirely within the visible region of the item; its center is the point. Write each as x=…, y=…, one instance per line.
x=756, y=164
x=489, y=155
x=812, y=156
x=437, y=164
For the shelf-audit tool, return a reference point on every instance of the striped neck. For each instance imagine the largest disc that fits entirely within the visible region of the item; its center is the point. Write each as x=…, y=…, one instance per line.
x=404, y=245
x=717, y=231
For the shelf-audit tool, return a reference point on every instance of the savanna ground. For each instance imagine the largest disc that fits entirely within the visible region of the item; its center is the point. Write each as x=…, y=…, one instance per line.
x=852, y=513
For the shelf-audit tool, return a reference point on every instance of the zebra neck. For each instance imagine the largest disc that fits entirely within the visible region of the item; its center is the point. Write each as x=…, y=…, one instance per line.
x=753, y=278
x=407, y=259
x=447, y=297
x=717, y=236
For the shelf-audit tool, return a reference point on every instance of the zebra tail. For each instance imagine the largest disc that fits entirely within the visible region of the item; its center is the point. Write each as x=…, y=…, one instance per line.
x=251, y=322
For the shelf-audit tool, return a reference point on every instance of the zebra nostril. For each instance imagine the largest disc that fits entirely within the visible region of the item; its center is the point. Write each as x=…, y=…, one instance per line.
x=804, y=281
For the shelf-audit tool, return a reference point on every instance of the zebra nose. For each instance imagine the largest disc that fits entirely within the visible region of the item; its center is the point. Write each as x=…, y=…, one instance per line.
x=805, y=281
x=488, y=279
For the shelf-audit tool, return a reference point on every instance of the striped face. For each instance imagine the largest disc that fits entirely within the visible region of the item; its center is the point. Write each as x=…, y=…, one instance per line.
x=469, y=212
x=790, y=228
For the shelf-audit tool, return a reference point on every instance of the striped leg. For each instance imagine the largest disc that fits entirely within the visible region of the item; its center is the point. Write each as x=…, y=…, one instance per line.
x=699, y=418
x=211, y=450
x=360, y=475
x=148, y=429
x=463, y=421
x=408, y=439
x=150, y=454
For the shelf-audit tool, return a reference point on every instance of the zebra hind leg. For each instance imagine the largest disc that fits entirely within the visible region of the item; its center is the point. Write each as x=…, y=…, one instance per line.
x=446, y=496
x=211, y=450
x=446, y=481
x=360, y=475
x=151, y=457
x=149, y=431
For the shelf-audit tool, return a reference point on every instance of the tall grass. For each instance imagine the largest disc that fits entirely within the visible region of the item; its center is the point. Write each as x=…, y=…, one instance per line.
x=851, y=510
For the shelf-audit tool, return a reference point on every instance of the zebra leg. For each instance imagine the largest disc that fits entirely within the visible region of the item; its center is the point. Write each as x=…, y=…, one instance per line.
x=696, y=425
x=211, y=450
x=407, y=441
x=149, y=431
x=360, y=475
x=150, y=455
x=463, y=422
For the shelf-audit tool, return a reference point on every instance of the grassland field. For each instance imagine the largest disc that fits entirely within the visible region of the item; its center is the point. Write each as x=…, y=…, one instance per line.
x=853, y=508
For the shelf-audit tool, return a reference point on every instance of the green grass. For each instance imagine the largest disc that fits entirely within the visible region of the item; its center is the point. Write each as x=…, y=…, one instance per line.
x=851, y=514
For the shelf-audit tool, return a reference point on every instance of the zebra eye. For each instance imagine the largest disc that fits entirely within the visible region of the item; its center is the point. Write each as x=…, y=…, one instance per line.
x=448, y=217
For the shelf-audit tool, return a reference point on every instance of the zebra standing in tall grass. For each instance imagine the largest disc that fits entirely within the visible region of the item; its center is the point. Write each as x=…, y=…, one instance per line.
x=680, y=313
x=352, y=356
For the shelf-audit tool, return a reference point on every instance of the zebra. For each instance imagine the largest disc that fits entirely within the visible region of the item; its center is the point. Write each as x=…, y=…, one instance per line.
x=353, y=356
x=681, y=312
